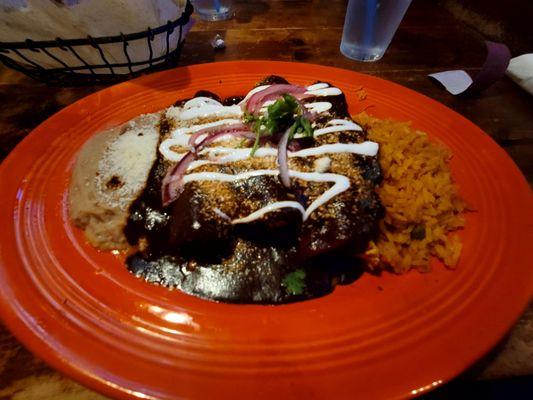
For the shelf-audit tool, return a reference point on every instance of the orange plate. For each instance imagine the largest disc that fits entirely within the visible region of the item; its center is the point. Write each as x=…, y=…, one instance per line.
x=380, y=337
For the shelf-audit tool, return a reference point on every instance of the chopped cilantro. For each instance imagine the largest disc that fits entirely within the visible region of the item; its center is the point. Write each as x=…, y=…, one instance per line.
x=301, y=125
x=248, y=118
x=294, y=282
x=256, y=144
x=306, y=126
x=282, y=114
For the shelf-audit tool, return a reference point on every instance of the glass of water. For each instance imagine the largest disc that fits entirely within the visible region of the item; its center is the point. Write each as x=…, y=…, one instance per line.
x=213, y=10
x=369, y=27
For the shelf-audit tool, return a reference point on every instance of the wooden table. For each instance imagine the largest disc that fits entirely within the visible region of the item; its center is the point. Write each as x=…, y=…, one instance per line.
x=430, y=39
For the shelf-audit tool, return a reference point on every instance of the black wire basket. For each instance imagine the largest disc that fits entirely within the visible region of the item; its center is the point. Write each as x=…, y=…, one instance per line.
x=72, y=69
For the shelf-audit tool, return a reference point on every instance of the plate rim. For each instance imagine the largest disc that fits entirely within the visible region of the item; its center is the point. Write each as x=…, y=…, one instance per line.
x=23, y=333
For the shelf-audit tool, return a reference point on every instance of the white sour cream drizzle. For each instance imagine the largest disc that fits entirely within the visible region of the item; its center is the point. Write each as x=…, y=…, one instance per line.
x=317, y=86
x=252, y=92
x=164, y=148
x=230, y=154
x=338, y=127
x=335, y=125
x=199, y=102
x=341, y=183
x=221, y=214
x=204, y=107
x=180, y=137
x=269, y=208
x=328, y=91
x=210, y=111
x=319, y=106
x=195, y=128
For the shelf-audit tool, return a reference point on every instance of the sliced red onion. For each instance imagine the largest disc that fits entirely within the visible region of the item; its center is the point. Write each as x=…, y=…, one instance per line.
x=173, y=180
x=216, y=130
x=283, y=159
x=254, y=103
x=303, y=96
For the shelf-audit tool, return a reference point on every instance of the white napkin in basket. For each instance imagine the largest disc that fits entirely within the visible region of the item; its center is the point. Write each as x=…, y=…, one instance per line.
x=69, y=19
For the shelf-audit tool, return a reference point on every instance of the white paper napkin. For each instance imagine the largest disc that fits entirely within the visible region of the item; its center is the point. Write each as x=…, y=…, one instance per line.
x=520, y=70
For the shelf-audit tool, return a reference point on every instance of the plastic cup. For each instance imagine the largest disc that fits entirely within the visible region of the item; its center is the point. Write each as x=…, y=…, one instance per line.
x=213, y=10
x=369, y=27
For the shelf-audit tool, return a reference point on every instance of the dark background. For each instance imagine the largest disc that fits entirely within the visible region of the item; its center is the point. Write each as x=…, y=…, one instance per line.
x=434, y=36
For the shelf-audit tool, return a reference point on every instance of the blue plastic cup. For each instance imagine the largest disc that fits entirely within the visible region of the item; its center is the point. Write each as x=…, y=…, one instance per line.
x=369, y=27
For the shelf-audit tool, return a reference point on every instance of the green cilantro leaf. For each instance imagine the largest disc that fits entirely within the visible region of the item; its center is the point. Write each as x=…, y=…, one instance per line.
x=248, y=118
x=256, y=144
x=307, y=128
x=284, y=113
x=294, y=282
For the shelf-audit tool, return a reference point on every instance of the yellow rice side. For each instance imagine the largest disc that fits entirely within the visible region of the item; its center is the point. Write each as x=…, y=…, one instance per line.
x=418, y=194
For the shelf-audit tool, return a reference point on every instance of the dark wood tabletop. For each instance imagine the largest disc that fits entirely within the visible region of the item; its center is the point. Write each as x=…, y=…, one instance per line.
x=434, y=36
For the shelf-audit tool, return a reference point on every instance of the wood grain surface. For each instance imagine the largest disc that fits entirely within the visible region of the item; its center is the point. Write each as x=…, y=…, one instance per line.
x=429, y=39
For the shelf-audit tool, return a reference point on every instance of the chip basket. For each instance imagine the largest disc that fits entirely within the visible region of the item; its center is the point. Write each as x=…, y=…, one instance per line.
x=71, y=69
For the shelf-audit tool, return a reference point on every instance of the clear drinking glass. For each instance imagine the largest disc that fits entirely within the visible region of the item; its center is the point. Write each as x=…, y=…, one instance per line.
x=369, y=27
x=213, y=10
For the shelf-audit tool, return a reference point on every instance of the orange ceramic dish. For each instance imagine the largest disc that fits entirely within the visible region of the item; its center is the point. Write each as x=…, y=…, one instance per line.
x=380, y=337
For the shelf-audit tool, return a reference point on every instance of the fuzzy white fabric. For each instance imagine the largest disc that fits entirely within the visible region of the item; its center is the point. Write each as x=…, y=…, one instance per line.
x=72, y=19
